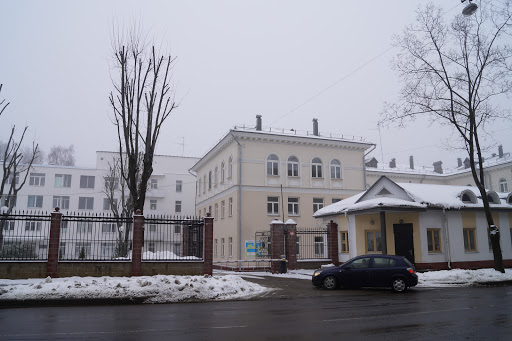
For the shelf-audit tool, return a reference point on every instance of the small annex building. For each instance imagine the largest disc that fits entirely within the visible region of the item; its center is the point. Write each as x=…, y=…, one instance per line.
x=434, y=226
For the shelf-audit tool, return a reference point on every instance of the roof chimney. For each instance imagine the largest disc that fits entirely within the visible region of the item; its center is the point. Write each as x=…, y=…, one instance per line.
x=411, y=162
x=500, y=151
x=258, y=122
x=459, y=162
x=392, y=163
x=438, y=167
x=315, y=127
x=467, y=163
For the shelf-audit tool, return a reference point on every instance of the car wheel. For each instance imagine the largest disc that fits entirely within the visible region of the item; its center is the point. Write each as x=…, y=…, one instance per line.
x=330, y=283
x=399, y=285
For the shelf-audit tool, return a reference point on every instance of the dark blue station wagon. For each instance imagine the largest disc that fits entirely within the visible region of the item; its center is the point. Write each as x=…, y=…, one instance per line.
x=395, y=272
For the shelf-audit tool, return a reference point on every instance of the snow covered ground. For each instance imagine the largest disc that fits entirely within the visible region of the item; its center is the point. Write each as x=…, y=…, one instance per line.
x=221, y=286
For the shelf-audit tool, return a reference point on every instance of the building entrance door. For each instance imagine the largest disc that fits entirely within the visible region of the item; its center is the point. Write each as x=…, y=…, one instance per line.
x=404, y=242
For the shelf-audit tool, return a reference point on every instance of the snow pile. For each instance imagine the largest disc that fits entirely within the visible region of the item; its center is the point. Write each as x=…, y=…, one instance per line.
x=459, y=277
x=148, y=255
x=155, y=289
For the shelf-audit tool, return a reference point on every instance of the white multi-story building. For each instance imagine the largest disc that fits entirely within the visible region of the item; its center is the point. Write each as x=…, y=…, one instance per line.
x=80, y=189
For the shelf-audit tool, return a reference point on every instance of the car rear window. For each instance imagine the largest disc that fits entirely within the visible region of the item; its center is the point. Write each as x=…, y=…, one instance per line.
x=383, y=262
x=408, y=262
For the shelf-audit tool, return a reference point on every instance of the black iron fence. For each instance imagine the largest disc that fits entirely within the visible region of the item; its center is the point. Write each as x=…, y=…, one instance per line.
x=173, y=238
x=95, y=237
x=24, y=235
x=312, y=243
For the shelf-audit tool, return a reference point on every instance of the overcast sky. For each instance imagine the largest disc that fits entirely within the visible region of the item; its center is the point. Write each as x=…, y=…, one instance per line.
x=289, y=61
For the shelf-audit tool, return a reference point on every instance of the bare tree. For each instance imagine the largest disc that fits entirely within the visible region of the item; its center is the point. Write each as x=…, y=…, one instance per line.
x=141, y=102
x=455, y=74
x=16, y=163
x=62, y=156
x=120, y=204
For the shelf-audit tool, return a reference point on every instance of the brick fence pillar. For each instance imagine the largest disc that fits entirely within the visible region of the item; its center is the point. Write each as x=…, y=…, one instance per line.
x=291, y=244
x=332, y=242
x=54, y=244
x=277, y=245
x=208, y=245
x=137, y=243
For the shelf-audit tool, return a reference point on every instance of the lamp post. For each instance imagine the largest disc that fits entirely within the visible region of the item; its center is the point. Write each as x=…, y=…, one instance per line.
x=470, y=8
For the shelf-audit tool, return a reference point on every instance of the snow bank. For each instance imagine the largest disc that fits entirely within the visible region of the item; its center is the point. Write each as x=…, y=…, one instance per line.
x=459, y=277
x=157, y=289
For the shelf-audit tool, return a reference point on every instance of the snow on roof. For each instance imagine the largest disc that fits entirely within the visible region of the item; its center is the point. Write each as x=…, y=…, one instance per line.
x=423, y=195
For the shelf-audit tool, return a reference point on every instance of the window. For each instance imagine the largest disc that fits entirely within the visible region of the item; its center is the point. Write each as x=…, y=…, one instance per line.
x=9, y=225
x=16, y=179
x=383, y=262
x=298, y=246
x=273, y=205
x=230, y=208
x=177, y=206
x=204, y=186
x=503, y=184
x=222, y=209
x=469, y=239
x=230, y=241
x=108, y=227
x=293, y=166
x=210, y=209
x=209, y=180
x=318, y=203
x=216, y=211
x=319, y=246
x=106, y=204
x=177, y=228
x=85, y=203
x=360, y=263
x=152, y=204
x=335, y=169
x=215, y=250
x=152, y=227
x=373, y=241
x=344, y=241
x=84, y=226
x=316, y=168
x=35, y=201
x=293, y=206
x=61, y=202
x=179, y=186
x=335, y=200
x=62, y=180
x=468, y=197
x=64, y=226
x=154, y=183
x=222, y=172
x=36, y=179
x=86, y=181
x=434, y=240
x=216, y=179
x=9, y=200
x=111, y=182
x=222, y=247
x=62, y=250
x=151, y=246
x=272, y=165
x=230, y=167
x=107, y=250
x=33, y=226
x=82, y=249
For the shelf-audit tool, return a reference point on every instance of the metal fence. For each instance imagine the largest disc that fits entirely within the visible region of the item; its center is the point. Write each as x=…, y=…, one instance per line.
x=312, y=243
x=24, y=235
x=173, y=238
x=95, y=237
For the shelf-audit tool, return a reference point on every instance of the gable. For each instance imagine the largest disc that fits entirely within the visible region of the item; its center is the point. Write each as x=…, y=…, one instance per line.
x=386, y=188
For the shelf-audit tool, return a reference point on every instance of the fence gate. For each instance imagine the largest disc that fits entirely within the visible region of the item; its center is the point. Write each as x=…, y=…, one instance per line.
x=312, y=243
x=263, y=241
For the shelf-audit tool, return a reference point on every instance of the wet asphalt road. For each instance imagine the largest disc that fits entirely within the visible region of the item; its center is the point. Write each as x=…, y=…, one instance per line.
x=296, y=312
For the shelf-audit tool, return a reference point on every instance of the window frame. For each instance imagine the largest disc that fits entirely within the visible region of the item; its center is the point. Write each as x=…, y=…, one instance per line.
x=272, y=205
x=316, y=168
x=85, y=181
x=503, y=185
x=335, y=168
x=272, y=163
x=60, y=200
x=377, y=239
x=292, y=166
x=179, y=186
x=431, y=238
x=317, y=205
x=294, y=204
x=37, y=179
x=86, y=201
x=344, y=247
x=65, y=180
x=37, y=201
x=466, y=233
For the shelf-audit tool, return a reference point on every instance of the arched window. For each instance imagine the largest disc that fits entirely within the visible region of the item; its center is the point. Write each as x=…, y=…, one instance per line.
x=493, y=197
x=316, y=168
x=509, y=199
x=204, y=184
x=293, y=166
x=503, y=185
x=335, y=169
x=209, y=180
x=272, y=165
x=230, y=167
x=222, y=172
x=216, y=176
x=468, y=197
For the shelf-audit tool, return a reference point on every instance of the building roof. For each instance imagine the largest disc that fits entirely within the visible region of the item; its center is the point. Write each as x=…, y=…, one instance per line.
x=386, y=194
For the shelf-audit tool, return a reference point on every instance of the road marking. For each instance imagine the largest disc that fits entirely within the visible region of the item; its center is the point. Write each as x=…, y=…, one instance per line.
x=227, y=327
x=408, y=313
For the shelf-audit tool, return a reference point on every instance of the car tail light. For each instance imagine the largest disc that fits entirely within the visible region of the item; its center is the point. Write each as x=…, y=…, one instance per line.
x=411, y=270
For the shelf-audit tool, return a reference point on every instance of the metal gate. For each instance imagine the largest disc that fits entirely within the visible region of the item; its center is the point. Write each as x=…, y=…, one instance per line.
x=263, y=241
x=312, y=243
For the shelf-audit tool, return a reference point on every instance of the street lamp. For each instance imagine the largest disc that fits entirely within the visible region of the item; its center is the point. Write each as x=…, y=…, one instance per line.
x=470, y=8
